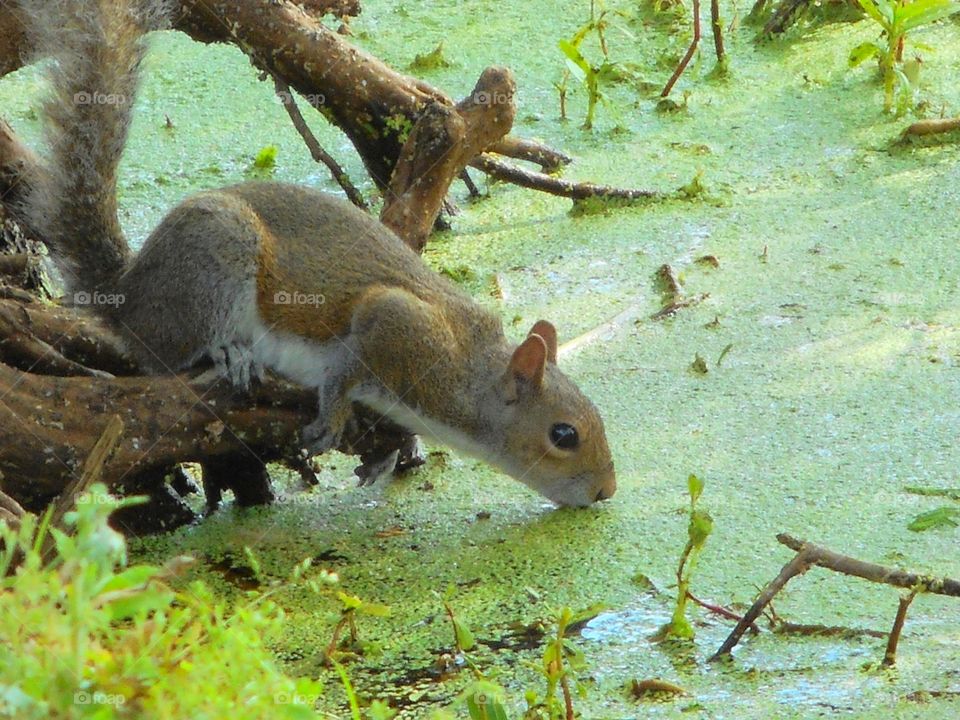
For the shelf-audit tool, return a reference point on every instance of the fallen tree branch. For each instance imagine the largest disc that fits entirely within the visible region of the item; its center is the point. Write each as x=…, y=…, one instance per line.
x=441, y=144
x=821, y=556
x=355, y=91
x=809, y=555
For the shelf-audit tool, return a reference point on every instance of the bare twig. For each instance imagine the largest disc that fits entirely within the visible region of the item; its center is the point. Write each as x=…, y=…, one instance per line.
x=313, y=145
x=508, y=172
x=685, y=60
x=471, y=185
x=797, y=566
x=890, y=654
x=719, y=610
x=717, y=30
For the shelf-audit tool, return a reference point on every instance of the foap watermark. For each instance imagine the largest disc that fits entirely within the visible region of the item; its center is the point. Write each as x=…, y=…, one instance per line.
x=99, y=98
x=84, y=697
x=487, y=700
x=298, y=499
x=298, y=298
x=295, y=698
x=315, y=99
x=94, y=498
x=83, y=297
x=485, y=97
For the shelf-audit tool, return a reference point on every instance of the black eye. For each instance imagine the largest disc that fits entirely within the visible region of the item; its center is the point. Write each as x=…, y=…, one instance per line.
x=564, y=436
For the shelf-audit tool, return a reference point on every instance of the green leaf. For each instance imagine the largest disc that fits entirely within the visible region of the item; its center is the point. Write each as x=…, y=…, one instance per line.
x=374, y=609
x=350, y=602
x=923, y=12
x=587, y=613
x=946, y=516
x=863, y=52
x=140, y=604
x=131, y=577
x=578, y=63
x=872, y=8
x=484, y=701
x=465, y=638
x=701, y=525
x=379, y=710
x=695, y=487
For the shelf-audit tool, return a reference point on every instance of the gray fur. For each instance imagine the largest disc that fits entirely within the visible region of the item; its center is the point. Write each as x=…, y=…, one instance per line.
x=94, y=47
x=177, y=265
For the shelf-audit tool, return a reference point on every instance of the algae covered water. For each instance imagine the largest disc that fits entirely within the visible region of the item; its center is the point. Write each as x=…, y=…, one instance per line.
x=828, y=331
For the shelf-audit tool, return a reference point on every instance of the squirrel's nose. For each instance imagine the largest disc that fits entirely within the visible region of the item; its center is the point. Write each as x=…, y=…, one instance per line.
x=607, y=488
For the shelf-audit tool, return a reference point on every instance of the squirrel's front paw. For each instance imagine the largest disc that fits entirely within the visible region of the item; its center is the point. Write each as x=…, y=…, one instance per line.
x=235, y=362
x=318, y=437
x=370, y=472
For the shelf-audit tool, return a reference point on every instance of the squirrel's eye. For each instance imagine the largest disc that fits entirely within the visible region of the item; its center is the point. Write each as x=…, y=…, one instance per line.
x=564, y=436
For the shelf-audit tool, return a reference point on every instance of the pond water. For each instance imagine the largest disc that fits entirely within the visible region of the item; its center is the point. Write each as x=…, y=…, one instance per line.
x=835, y=307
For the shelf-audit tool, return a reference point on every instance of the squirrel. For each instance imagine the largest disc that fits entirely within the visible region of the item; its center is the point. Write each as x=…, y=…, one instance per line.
x=265, y=275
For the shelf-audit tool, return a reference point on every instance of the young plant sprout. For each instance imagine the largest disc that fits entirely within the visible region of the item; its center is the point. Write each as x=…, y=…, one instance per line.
x=897, y=18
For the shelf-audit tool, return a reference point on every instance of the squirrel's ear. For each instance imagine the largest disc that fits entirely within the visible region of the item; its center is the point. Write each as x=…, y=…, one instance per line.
x=548, y=332
x=529, y=360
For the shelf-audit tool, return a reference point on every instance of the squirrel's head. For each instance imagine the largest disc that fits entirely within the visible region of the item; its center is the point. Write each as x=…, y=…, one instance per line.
x=552, y=436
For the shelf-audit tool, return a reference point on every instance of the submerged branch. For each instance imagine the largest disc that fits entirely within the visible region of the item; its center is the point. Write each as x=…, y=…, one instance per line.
x=809, y=555
x=508, y=172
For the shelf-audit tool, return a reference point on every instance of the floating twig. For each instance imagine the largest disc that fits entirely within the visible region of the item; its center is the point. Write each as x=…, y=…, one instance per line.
x=668, y=310
x=782, y=627
x=931, y=127
x=719, y=610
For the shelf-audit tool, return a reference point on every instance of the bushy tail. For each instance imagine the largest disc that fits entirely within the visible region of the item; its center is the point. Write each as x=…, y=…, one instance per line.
x=95, y=47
